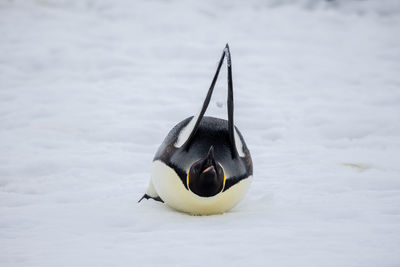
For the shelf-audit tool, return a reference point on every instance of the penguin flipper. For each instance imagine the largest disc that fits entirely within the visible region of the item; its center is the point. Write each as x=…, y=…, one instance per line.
x=186, y=136
x=151, y=193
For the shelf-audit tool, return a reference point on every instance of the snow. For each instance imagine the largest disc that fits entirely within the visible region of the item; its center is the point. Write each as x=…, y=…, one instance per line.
x=89, y=89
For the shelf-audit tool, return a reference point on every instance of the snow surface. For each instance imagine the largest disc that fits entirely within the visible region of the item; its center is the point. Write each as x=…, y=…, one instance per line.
x=89, y=89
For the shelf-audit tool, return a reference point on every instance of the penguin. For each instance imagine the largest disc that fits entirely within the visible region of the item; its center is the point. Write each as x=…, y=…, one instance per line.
x=203, y=166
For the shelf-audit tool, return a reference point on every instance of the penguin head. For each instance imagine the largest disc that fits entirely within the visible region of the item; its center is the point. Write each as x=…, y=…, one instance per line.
x=206, y=177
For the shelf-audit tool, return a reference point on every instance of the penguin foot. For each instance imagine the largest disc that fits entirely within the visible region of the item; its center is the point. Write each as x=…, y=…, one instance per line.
x=146, y=196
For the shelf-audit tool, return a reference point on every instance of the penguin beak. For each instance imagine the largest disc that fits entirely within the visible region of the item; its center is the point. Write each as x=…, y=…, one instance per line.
x=211, y=168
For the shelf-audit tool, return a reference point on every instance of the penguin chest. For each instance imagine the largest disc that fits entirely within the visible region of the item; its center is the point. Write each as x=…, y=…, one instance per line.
x=170, y=188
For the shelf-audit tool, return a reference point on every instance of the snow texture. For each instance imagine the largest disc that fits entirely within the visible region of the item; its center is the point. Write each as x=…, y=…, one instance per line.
x=89, y=89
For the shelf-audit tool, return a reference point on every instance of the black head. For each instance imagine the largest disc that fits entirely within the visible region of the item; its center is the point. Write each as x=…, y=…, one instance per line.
x=206, y=176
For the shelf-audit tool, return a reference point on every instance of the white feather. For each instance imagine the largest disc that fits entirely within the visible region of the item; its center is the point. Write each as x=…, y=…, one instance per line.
x=238, y=143
x=172, y=191
x=185, y=132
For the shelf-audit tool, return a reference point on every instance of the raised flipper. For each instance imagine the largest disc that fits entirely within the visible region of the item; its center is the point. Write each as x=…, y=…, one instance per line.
x=151, y=193
x=231, y=124
x=186, y=136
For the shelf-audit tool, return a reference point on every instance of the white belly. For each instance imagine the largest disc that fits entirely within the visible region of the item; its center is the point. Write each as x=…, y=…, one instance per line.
x=172, y=191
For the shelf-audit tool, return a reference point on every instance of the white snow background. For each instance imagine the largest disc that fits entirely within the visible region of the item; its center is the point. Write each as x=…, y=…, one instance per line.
x=89, y=89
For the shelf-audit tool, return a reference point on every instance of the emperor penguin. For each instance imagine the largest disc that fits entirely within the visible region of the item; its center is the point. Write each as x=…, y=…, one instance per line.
x=203, y=166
